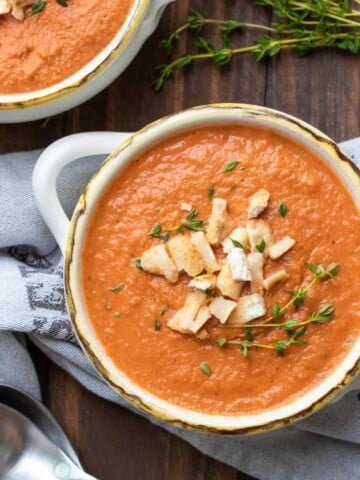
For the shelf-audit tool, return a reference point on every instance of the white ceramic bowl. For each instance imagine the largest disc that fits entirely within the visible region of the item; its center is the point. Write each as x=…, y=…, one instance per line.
x=71, y=238
x=94, y=76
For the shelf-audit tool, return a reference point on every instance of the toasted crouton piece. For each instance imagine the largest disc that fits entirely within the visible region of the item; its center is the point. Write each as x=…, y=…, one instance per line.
x=239, y=235
x=156, y=260
x=222, y=308
x=17, y=7
x=220, y=222
x=227, y=286
x=256, y=263
x=202, y=246
x=238, y=265
x=185, y=255
x=184, y=318
x=4, y=7
x=203, y=282
x=257, y=231
x=202, y=317
x=275, y=278
x=248, y=308
x=281, y=247
x=258, y=202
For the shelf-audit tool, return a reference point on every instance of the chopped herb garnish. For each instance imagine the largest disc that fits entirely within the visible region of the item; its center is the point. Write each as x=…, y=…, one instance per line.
x=299, y=295
x=137, y=262
x=163, y=311
x=211, y=192
x=248, y=335
x=321, y=272
x=260, y=247
x=63, y=3
x=38, y=7
x=237, y=244
x=156, y=231
x=190, y=223
x=204, y=367
x=157, y=325
x=229, y=166
x=106, y=304
x=276, y=311
x=283, y=209
x=118, y=288
x=117, y=314
x=221, y=341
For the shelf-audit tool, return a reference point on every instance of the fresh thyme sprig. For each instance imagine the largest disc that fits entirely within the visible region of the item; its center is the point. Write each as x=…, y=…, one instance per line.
x=190, y=222
x=294, y=328
x=325, y=314
x=300, y=25
x=279, y=347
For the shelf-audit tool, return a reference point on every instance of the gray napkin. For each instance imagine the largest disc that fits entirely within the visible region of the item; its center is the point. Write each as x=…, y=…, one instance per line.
x=323, y=447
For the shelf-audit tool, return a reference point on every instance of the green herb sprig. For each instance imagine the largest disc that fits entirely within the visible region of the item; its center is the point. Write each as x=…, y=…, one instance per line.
x=300, y=25
x=294, y=328
x=190, y=222
x=279, y=347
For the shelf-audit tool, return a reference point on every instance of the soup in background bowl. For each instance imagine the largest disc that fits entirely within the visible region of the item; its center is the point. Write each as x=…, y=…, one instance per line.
x=57, y=54
x=207, y=266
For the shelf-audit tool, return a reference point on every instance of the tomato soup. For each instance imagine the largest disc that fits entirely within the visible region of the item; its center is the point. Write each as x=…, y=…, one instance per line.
x=216, y=371
x=47, y=47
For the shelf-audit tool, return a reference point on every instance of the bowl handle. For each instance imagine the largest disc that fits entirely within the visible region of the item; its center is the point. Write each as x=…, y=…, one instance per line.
x=153, y=17
x=50, y=163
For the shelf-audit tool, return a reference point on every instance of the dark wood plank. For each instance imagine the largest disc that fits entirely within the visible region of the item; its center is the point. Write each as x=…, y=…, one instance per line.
x=114, y=443
x=322, y=89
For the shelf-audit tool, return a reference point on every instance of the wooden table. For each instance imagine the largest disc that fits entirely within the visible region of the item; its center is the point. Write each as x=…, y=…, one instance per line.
x=323, y=89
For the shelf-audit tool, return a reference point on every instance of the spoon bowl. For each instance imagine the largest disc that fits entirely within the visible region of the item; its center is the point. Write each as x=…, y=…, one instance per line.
x=27, y=454
x=40, y=416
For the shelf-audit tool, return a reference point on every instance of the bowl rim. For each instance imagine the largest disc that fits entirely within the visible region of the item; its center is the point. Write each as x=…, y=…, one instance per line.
x=87, y=72
x=142, y=400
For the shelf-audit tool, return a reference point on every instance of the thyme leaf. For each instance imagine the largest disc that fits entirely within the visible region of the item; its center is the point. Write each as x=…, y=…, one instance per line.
x=283, y=209
x=229, y=166
x=260, y=247
x=118, y=288
x=298, y=25
x=204, y=367
x=211, y=192
x=38, y=7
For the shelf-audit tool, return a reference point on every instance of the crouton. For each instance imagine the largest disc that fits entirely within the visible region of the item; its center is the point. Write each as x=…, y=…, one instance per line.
x=227, y=286
x=222, y=308
x=258, y=202
x=280, y=276
x=248, y=308
x=256, y=263
x=282, y=246
x=238, y=265
x=156, y=260
x=203, y=282
x=185, y=255
x=184, y=318
x=204, y=249
x=239, y=235
x=258, y=231
x=220, y=222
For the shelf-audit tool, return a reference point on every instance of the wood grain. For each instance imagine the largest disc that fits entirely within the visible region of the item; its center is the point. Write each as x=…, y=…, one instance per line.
x=322, y=89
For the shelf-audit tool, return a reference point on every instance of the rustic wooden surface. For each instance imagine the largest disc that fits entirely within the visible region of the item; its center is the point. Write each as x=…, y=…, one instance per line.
x=322, y=89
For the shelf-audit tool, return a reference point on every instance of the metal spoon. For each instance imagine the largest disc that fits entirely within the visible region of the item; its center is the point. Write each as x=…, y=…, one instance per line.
x=40, y=416
x=27, y=454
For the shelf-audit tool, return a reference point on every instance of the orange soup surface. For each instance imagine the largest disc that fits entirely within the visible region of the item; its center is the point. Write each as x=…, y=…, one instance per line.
x=132, y=323
x=47, y=47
